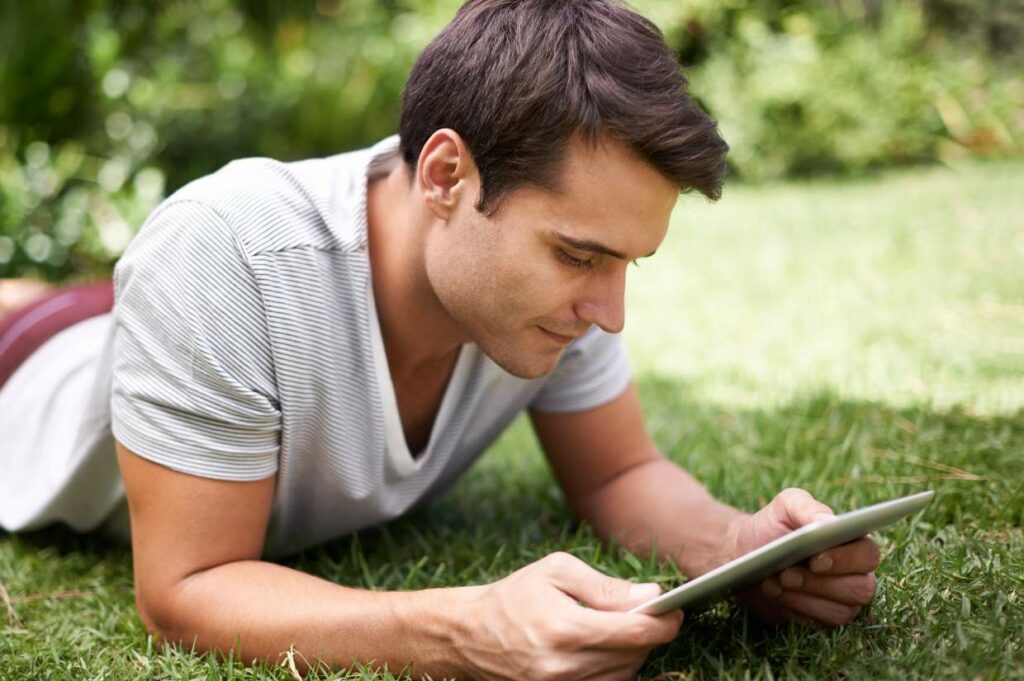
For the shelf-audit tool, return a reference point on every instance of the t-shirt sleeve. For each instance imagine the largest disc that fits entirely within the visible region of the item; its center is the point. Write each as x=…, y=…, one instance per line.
x=593, y=371
x=193, y=384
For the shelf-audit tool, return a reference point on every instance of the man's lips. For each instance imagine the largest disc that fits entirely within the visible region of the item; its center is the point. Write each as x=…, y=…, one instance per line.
x=557, y=337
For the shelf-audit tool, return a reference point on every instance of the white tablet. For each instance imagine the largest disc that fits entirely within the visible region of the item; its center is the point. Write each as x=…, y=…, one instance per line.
x=784, y=552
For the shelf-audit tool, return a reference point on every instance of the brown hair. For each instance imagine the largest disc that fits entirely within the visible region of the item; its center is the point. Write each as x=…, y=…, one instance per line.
x=518, y=78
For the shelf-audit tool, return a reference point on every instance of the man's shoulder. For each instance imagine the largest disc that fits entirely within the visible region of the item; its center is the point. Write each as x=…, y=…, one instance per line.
x=273, y=205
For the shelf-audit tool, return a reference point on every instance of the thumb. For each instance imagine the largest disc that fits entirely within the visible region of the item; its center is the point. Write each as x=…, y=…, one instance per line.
x=598, y=590
x=795, y=507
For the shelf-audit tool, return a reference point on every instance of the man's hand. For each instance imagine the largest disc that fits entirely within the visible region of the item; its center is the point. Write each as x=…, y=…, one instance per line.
x=530, y=625
x=829, y=590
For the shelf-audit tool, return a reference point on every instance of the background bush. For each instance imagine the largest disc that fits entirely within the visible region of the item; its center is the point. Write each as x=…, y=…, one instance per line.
x=106, y=106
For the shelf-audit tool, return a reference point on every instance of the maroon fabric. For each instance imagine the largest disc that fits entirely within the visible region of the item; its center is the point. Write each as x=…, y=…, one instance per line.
x=24, y=331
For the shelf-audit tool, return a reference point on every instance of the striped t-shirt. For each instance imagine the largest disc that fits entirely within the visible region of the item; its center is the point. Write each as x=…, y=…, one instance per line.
x=244, y=344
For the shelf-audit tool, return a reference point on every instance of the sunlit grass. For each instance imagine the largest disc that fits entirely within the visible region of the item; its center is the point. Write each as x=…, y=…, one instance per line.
x=907, y=289
x=862, y=340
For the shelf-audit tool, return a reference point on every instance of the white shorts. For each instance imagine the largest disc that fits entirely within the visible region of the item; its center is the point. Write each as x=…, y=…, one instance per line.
x=41, y=439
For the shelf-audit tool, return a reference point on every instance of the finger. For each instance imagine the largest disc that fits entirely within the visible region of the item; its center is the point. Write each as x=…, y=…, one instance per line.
x=625, y=670
x=848, y=589
x=796, y=507
x=794, y=616
x=630, y=631
x=827, y=612
x=594, y=588
x=585, y=664
x=857, y=557
x=771, y=587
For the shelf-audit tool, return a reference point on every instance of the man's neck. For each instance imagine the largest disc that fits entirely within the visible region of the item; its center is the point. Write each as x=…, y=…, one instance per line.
x=418, y=332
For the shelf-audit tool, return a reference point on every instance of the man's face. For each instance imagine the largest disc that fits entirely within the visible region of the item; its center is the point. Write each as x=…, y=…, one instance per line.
x=512, y=280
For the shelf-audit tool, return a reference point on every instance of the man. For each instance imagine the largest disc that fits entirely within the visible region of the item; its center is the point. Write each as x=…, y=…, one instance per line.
x=301, y=350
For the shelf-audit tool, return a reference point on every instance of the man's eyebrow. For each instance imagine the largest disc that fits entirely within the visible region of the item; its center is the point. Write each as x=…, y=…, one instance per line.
x=594, y=246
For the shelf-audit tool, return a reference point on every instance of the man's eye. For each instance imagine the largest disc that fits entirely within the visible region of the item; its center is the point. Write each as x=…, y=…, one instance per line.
x=575, y=262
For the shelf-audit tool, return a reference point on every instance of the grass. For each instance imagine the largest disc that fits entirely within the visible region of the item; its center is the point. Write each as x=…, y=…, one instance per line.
x=862, y=340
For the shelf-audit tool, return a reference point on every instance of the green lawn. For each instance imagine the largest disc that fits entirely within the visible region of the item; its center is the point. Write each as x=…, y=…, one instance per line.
x=862, y=340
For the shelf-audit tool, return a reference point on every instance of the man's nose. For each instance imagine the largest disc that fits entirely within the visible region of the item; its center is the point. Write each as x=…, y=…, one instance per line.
x=605, y=305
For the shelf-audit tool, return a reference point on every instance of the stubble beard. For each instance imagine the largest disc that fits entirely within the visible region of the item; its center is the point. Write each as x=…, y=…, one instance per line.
x=481, y=312
x=508, y=346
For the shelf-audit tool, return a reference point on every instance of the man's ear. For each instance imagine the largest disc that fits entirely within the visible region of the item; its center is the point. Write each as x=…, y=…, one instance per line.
x=446, y=173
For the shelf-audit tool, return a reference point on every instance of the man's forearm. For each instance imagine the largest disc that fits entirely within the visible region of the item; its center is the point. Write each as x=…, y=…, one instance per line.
x=658, y=502
x=269, y=608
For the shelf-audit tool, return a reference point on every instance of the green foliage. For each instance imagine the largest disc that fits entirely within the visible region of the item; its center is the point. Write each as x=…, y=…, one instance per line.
x=805, y=87
x=107, y=105
x=798, y=102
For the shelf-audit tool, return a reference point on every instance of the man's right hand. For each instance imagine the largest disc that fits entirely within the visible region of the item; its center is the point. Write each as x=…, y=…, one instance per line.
x=530, y=625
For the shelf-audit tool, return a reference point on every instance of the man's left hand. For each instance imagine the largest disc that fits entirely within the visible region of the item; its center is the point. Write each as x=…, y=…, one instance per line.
x=826, y=591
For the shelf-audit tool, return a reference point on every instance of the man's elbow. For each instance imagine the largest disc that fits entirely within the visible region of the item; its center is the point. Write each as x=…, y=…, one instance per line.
x=162, y=620
x=159, y=623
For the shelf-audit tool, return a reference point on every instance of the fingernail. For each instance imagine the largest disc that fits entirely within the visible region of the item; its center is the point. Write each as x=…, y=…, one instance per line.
x=822, y=564
x=824, y=517
x=771, y=588
x=649, y=590
x=791, y=579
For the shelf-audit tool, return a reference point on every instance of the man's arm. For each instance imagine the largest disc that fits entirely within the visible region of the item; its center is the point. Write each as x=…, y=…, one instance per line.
x=196, y=544
x=615, y=478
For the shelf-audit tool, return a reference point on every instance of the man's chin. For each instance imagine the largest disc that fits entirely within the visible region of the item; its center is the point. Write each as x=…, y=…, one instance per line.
x=530, y=375
x=526, y=366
